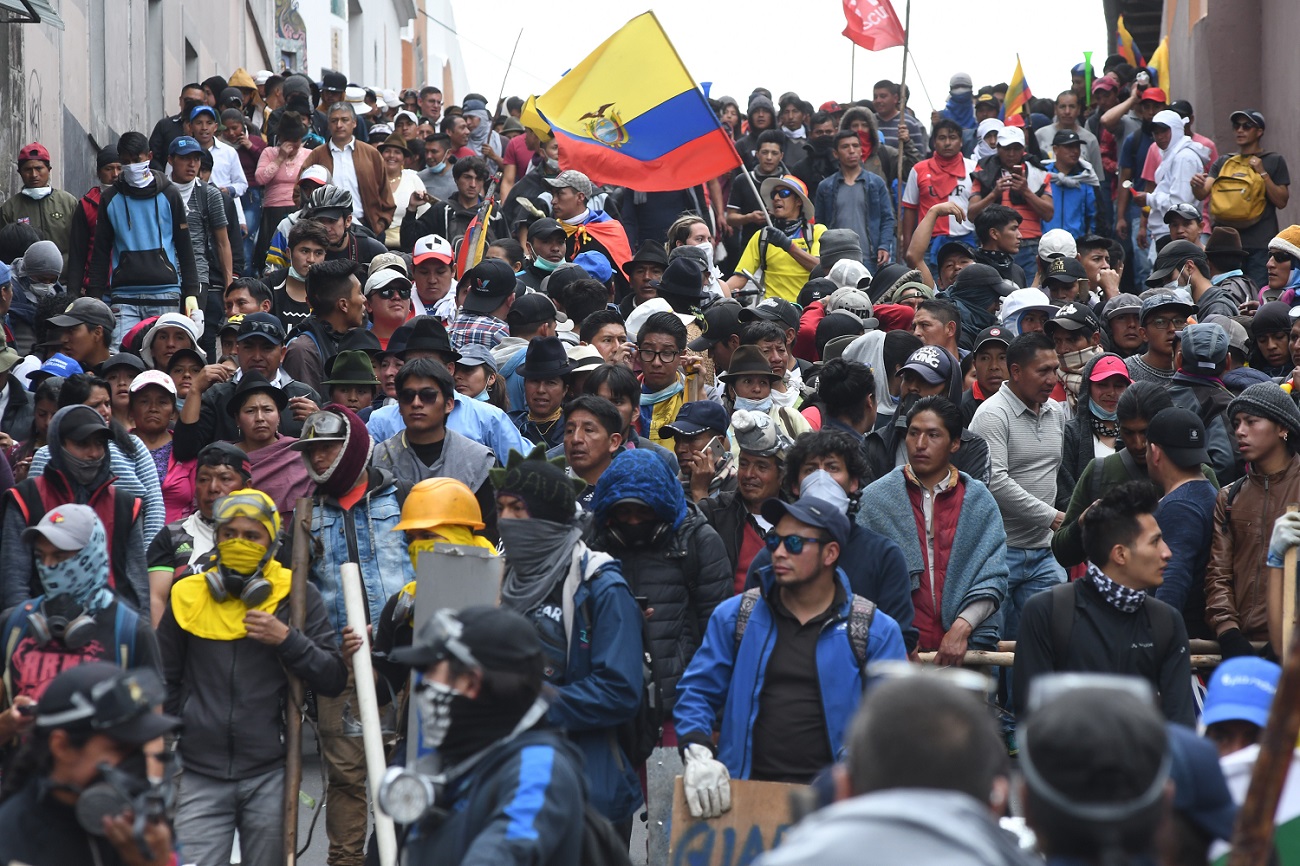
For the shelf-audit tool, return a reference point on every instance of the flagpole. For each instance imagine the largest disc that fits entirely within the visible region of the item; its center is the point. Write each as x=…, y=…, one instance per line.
x=501, y=95
x=853, y=68
x=902, y=114
x=757, y=195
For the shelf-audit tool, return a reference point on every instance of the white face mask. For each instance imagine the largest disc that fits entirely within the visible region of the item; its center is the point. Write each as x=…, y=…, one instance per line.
x=37, y=193
x=433, y=703
x=707, y=247
x=137, y=174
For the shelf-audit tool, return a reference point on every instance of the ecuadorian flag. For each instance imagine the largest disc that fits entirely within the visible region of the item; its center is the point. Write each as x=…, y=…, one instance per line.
x=1125, y=46
x=1018, y=92
x=630, y=115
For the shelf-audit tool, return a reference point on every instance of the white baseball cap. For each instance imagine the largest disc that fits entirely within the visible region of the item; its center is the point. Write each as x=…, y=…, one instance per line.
x=262, y=76
x=1009, y=135
x=318, y=173
x=383, y=277
x=1057, y=242
x=432, y=247
x=153, y=377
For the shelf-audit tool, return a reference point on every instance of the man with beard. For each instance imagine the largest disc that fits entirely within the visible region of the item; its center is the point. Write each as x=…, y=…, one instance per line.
x=589, y=624
x=514, y=790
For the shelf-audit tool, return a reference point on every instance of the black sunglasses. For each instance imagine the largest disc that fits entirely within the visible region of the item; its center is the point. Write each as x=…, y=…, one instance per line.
x=793, y=543
x=388, y=293
x=428, y=396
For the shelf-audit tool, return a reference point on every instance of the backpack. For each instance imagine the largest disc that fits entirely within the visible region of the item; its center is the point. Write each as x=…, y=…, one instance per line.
x=124, y=629
x=861, y=613
x=1063, y=597
x=601, y=844
x=1237, y=196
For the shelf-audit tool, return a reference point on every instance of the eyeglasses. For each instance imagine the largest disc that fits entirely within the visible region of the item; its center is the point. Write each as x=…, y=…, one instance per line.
x=1161, y=322
x=388, y=293
x=784, y=192
x=427, y=396
x=793, y=543
x=648, y=355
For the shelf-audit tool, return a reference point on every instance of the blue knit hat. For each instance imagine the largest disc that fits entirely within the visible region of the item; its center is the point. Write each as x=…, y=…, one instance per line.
x=640, y=475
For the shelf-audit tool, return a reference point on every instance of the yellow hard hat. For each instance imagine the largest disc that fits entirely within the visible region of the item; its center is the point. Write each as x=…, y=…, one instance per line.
x=438, y=502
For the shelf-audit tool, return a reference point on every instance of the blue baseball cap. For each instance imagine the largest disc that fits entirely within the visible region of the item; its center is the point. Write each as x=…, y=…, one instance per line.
x=697, y=417
x=184, y=146
x=812, y=511
x=57, y=364
x=595, y=264
x=1241, y=689
x=200, y=109
x=1200, y=791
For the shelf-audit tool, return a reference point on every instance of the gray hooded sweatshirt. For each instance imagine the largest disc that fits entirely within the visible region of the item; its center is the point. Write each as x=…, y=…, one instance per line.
x=914, y=826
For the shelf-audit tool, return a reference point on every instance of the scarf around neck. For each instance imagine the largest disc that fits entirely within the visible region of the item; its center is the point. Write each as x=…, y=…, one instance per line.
x=537, y=558
x=666, y=393
x=1119, y=597
x=948, y=173
x=200, y=614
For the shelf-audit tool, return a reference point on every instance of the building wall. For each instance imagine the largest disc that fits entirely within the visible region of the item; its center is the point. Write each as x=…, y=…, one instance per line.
x=1231, y=54
x=120, y=64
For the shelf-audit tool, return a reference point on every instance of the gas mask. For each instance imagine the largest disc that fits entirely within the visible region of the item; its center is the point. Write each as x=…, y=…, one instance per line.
x=62, y=619
x=126, y=788
x=638, y=535
x=238, y=572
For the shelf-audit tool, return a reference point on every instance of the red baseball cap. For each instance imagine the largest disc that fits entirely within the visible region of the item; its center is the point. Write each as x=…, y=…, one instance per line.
x=1107, y=366
x=832, y=107
x=1154, y=94
x=35, y=150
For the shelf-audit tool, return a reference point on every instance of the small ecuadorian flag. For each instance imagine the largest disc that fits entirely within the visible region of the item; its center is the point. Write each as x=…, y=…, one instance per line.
x=1125, y=46
x=1018, y=92
x=631, y=115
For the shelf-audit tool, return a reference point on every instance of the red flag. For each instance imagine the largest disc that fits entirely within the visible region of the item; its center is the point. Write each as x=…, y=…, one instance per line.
x=873, y=24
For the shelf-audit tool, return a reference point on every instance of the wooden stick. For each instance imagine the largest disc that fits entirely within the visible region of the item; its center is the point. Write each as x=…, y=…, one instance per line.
x=293, y=713
x=902, y=118
x=1288, y=592
x=1252, y=839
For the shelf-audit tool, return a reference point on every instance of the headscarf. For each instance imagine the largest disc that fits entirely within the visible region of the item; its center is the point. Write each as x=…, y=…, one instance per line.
x=64, y=463
x=353, y=460
x=987, y=125
x=869, y=350
x=1178, y=140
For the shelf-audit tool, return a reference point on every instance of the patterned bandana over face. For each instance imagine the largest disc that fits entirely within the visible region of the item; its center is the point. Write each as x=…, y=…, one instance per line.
x=84, y=576
x=1120, y=597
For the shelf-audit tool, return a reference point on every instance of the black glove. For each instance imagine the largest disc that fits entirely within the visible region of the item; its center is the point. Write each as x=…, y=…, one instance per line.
x=1233, y=643
x=777, y=238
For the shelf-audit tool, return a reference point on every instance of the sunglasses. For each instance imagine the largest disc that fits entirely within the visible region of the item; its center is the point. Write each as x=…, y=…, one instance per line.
x=782, y=193
x=428, y=396
x=388, y=293
x=1243, y=124
x=793, y=543
x=1278, y=256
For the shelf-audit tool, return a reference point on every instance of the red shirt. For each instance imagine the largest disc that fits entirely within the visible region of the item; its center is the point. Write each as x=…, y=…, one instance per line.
x=750, y=544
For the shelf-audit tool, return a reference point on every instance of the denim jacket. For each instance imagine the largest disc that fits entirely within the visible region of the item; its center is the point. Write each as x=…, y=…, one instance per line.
x=381, y=554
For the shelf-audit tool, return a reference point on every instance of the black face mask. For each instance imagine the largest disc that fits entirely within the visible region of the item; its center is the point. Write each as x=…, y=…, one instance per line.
x=476, y=724
x=822, y=146
x=637, y=535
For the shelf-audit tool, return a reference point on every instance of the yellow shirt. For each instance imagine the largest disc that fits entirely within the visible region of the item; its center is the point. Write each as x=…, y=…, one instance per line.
x=783, y=276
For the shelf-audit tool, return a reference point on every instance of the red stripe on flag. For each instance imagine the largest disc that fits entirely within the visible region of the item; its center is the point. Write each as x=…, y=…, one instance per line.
x=711, y=155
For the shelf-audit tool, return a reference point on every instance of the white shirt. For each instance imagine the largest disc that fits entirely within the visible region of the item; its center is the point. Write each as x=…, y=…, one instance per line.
x=344, y=175
x=959, y=196
x=227, y=172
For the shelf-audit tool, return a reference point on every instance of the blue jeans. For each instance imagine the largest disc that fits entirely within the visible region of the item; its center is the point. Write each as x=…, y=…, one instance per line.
x=1027, y=258
x=130, y=315
x=252, y=202
x=1030, y=571
x=1141, y=263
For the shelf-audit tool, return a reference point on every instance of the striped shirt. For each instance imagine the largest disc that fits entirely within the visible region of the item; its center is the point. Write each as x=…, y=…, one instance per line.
x=1024, y=455
x=137, y=476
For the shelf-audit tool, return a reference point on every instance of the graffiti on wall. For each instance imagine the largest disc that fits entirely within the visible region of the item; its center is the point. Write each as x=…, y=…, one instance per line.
x=290, y=36
x=34, y=103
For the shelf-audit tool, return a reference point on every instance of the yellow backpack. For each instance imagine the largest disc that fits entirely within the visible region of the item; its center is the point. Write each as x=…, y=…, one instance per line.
x=1237, y=198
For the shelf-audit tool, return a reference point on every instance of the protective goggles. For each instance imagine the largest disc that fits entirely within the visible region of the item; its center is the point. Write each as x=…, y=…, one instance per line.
x=442, y=636
x=325, y=425
x=253, y=504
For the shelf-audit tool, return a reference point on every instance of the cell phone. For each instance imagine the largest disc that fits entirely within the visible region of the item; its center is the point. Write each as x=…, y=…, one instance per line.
x=643, y=601
x=28, y=710
x=717, y=449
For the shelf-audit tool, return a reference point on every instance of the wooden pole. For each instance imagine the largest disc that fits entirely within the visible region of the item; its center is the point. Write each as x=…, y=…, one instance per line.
x=902, y=119
x=293, y=714
x=853, y=69
x=1252, y=839
x=1288, y=593
x=501, y=95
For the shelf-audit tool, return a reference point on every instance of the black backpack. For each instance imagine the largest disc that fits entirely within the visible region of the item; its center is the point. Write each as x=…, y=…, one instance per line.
x=601, y=844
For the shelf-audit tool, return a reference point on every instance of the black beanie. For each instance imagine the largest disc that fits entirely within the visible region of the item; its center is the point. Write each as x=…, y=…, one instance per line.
x=544, y=486
x=1270, y=318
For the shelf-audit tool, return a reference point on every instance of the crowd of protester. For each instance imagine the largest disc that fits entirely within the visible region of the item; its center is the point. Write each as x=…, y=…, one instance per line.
x=748, y=452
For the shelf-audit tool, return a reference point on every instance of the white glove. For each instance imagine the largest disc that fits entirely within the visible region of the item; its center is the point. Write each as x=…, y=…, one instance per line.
x=196, y=315
x=1286, y=535
x=707, y=783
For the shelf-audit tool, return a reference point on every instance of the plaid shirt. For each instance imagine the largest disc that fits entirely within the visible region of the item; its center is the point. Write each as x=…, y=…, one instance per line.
x=473, y=328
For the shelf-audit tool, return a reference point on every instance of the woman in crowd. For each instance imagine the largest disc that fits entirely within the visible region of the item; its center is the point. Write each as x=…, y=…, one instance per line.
x=153, y=412
x=1094, y=430
x=402, y=181
x=278, y=471
x=277, y=170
